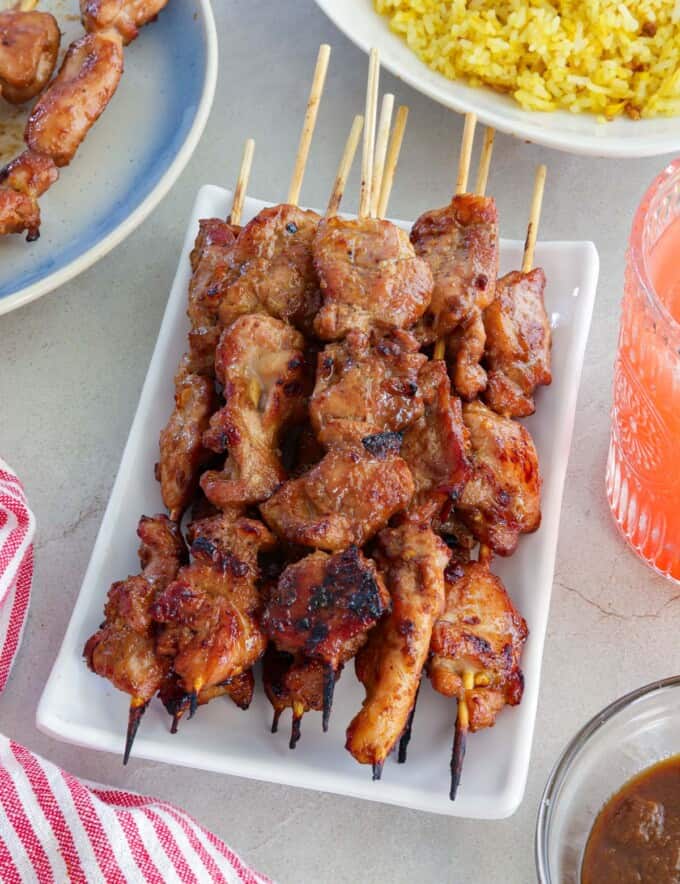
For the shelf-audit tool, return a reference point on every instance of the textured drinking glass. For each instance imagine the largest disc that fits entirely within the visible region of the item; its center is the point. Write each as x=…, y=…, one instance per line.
x=643, y=467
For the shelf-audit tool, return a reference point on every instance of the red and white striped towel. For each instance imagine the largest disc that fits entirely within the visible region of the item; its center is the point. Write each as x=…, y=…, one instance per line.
x=56, y=828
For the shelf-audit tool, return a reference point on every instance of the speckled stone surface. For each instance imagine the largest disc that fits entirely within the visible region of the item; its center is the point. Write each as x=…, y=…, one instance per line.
x=71, y=370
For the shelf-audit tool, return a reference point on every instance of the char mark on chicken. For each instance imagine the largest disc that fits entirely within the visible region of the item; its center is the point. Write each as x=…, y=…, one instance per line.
x=412, y=559
x=345, y=499
x=370, y=276
x=262, y=366
x=366, y=384
x=323, y=607
x=518, y=343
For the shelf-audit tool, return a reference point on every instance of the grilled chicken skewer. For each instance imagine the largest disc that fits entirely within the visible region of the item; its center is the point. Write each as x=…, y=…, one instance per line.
x=460, y=244
x=69, y=107
x=475, y=652
x=496, y=530
x=124, y=648
x=182, y=453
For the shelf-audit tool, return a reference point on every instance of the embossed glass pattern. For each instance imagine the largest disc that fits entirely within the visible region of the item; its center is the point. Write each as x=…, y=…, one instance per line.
x=643, y=467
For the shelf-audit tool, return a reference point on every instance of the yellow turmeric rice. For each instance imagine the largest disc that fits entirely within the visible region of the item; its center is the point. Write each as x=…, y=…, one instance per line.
x=607, y=57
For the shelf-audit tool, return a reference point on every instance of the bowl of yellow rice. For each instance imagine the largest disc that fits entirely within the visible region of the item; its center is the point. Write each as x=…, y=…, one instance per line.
x=599, y=77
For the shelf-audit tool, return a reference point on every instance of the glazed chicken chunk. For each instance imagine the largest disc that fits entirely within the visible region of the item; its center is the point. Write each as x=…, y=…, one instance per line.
x=434, y=446
x=123, y=649
x=292, y=681
x=210, y=611
x=261, y=364
x=323, y=607
x=370, y=278
x=460, y=245
x=182, y=453
x=480, y=631
x=124, y=16
x=211, y=274
x=74, y=100
x=273, y=268
x=502, y=498
x=345, y=499
x=21, y=183
x=365, y=385
x=412, y=559
x=29, y=44
x=518, y=342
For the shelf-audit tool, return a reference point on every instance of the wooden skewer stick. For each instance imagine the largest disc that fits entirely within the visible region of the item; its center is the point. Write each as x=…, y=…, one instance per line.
x=242, y=183
x=461, y=187
x=534, y=216
x=309, y=123
x=137, y=710
x=392, y=159
x=466, y=153
x=345, y=165
x=460, y=738
x=381, y=150
x=369, y=134
x=485, y=160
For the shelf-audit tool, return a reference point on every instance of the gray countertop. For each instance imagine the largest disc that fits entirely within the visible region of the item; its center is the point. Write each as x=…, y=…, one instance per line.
x=72, y=367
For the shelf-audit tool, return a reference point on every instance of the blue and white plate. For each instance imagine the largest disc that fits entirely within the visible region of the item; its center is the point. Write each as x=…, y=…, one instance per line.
x=131, y=157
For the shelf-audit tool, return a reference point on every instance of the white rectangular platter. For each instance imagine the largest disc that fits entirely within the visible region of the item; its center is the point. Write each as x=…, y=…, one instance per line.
x=82, y=708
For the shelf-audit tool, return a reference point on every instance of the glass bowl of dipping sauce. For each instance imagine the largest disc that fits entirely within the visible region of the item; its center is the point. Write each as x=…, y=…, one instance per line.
x=629, y=736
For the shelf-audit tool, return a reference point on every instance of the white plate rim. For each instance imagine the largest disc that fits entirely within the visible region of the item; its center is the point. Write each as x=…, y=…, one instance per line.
x=509, y=798
x=135, y=218
x=615, y=147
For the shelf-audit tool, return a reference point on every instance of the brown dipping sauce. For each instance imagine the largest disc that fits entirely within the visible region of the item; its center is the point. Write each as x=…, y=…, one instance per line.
x=636, y=836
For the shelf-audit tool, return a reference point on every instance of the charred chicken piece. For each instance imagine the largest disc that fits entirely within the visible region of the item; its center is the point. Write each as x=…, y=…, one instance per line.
x=29, y=44
x=182, y=453
x=261, y=364
x=365, y=385
x=412, y=559
x=210, y=610
x=518, y=342
x=345, y=499
x=124, y=16
x=475, y=653
x=21, y=183
x=502, y=498
x=273, y=268
x=292, y=682
x=370, y=278
x=323, y=607
x=123, y=649
x=464, y=352
x=434, y=446
x=211, y=274
x=460, y=244
x=239, y=689
x=74, y=100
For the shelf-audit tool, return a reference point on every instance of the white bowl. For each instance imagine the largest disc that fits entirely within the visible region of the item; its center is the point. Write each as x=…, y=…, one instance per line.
x=575, y=133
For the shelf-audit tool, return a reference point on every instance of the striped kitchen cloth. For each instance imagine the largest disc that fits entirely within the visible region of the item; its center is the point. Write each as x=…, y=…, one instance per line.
x=56, y=828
